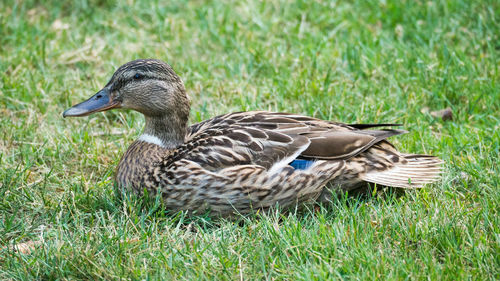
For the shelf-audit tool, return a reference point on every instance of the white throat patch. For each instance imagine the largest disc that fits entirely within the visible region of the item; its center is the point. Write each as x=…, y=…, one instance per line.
x=151, y=139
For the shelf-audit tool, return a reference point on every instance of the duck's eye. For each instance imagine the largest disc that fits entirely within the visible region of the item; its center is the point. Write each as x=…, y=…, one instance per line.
x=138, y=76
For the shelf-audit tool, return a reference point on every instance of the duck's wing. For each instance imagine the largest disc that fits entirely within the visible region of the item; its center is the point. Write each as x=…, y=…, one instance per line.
x=272, y=140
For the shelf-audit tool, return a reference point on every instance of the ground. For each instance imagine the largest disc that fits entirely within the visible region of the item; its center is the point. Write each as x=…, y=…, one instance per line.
x=350, y=61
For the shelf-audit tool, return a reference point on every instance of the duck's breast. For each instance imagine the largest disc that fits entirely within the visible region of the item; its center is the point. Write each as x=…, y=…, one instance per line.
x=137, y=161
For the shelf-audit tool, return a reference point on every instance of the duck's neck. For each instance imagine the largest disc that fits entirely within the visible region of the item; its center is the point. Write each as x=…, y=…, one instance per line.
x=166, y=131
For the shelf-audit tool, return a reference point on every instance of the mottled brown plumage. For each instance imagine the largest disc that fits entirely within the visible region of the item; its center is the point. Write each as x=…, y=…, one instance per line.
x=243, y=161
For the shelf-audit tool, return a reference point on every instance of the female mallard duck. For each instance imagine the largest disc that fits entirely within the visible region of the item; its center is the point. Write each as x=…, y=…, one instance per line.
x=246, y=160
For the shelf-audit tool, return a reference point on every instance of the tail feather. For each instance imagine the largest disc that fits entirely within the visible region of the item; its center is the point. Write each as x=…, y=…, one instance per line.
x=415, y=172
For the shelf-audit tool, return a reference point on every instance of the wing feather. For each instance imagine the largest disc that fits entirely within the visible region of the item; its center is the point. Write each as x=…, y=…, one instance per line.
x=274, y=139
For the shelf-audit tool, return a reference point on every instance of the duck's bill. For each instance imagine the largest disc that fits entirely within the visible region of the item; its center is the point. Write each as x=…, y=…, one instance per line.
x=98, y=102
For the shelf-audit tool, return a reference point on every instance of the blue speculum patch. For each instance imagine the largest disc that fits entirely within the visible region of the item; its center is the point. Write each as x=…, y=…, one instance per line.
x=301, y=164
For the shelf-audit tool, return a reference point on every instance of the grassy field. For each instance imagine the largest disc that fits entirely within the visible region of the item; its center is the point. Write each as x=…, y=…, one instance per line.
x=350, y=61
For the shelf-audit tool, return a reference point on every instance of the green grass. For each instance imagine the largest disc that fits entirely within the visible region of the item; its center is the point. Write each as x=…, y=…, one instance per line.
x=350, y=61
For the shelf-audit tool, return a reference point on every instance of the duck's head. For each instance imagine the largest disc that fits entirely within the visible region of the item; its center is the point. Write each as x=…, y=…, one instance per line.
x=148, y=86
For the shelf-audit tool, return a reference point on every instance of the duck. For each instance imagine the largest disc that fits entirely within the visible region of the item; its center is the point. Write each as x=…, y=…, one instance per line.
x=241, y=162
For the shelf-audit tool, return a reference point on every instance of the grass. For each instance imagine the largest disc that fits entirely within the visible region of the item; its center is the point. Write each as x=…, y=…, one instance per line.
x=351, y=61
